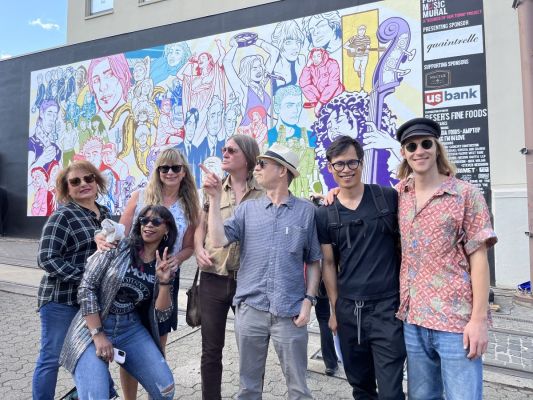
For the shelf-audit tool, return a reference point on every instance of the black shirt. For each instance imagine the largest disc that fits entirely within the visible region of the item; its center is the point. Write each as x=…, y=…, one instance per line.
x=136, y=289
x=369, y=262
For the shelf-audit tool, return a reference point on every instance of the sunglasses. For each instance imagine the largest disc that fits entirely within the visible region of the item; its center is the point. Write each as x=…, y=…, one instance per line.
x=77, y=181
x=412, y=146
x=156, y=221
x=165, y=168
x=351, y=164
x=261, y=163
x=230, y=150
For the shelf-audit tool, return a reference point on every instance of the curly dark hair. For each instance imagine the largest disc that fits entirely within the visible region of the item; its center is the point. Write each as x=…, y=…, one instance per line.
x=169, y=240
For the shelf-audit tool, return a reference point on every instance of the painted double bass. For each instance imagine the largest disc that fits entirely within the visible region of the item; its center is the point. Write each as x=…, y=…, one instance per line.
x=395, y=34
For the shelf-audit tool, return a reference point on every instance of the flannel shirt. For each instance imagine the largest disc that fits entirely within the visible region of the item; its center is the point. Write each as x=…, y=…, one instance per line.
x=66, y=243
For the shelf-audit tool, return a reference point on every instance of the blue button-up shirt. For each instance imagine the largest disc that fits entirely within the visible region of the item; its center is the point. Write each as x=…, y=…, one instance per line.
x=275, y=243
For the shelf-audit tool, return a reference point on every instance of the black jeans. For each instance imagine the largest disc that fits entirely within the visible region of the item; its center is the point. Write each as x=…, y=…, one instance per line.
x=322, y=312
x=380, y=355
x=216, y=296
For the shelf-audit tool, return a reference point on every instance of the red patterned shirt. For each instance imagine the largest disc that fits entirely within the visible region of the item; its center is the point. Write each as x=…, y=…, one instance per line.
x=435, y=285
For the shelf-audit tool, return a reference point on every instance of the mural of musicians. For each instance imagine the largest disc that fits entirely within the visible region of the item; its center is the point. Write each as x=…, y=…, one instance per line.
x=248, y=123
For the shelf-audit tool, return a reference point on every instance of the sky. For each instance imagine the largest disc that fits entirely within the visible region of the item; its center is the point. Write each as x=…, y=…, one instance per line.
x=27, y=26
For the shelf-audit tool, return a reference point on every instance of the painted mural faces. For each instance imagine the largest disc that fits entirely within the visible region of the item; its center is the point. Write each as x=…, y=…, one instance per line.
x=299, y=82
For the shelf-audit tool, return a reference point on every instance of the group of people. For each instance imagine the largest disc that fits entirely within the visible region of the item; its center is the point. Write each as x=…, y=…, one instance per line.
x=405, y=271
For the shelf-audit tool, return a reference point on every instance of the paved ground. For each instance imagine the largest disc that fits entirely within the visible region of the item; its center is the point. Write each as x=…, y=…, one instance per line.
x=19, y=329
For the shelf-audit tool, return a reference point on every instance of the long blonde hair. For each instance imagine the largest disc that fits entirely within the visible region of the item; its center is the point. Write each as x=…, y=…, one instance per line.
x=187, y=193
x=445, y=166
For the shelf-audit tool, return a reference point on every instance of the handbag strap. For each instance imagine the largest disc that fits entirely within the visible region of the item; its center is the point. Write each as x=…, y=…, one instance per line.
x=196, y=277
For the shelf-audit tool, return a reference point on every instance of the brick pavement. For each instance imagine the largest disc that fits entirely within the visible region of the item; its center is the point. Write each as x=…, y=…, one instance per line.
x=19, y=329
x=511, y=346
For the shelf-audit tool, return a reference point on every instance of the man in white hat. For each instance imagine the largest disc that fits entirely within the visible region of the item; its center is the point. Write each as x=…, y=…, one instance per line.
x=275, y=293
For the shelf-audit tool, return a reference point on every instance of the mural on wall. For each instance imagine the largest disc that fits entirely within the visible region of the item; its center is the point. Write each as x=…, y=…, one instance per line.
x=302, y=82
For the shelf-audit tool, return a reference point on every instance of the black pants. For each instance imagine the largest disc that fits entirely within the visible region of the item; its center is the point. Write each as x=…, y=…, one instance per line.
x=381, y=353
x=326, y=337
x=216, y=294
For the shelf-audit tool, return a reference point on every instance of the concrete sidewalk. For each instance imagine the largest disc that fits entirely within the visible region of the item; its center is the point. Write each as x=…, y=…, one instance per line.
x=507, y=375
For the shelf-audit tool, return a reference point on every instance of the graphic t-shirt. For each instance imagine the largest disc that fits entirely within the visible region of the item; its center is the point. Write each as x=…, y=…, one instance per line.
x=136, y=290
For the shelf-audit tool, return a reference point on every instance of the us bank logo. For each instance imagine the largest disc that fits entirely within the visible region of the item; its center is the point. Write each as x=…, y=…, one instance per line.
x=453, y=43
x=453, y=97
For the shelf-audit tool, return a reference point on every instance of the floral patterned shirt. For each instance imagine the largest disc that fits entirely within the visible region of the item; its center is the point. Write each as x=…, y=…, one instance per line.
x=435, y=285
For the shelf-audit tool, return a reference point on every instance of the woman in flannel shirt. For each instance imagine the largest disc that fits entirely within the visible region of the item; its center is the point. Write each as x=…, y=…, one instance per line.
x=66, y=243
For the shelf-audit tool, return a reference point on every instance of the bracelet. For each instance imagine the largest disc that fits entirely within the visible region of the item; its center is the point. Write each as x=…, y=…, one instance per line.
x=165, y=283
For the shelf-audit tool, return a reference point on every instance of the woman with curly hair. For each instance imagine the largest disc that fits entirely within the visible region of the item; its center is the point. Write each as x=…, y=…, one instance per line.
x=124, y=294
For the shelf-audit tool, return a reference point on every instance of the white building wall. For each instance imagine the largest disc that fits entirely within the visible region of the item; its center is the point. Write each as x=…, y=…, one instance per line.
x=506, y=137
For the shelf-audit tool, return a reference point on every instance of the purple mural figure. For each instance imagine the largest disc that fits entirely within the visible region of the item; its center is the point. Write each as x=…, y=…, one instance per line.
x=366, y=116
x=382, y=151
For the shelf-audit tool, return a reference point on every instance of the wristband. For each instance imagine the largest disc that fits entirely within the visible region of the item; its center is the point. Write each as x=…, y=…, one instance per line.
x=96, y=331
x=312, y=299
x=165, y=283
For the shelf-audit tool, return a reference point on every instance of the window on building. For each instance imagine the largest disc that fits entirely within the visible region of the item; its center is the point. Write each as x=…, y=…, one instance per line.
x=98, y=6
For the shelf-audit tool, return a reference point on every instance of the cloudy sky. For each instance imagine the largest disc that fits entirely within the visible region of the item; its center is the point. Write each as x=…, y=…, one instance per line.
x=27, y=26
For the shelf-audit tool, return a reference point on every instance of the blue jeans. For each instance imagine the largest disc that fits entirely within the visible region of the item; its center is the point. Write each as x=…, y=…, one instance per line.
x=55, y=321
x=437, y=364
x=144, y=361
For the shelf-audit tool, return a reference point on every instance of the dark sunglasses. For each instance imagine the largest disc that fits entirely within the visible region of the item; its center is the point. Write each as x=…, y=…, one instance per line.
x=412, y=146
x=351, y=164
x=261, y=163
x=231, y=150
x=77, y=181
x=156, y=221
x=165, y=168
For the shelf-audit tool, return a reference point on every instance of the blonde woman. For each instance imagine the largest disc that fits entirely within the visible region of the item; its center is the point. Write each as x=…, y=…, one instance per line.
x=171, y=184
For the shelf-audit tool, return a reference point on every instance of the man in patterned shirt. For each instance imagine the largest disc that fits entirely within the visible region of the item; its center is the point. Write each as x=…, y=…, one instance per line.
x=444, y=277
x=274, y=296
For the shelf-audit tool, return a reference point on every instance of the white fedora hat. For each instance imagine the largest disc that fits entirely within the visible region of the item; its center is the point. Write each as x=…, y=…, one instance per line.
x=284, y=156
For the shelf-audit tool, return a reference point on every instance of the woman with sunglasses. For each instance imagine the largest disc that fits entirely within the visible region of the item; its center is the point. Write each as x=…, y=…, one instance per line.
x=219, y=266
x=66, y=243
x=444, y=276
x=172, y=185
x=124, y=294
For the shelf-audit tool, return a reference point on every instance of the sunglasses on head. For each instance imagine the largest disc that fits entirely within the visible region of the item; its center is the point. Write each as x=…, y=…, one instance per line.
x=412, y=146
x=77, y=181
x=229, y=149
x=351, y=164
x=261, y=163
x=165, y=168
x=156, y=221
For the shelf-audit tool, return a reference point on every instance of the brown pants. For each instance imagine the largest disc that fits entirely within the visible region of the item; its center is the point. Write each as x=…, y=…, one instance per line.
x=216, y=294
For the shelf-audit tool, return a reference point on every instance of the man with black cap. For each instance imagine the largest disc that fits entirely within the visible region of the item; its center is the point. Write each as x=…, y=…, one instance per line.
x=444, y=278
x=359, y=238
x=274, y=296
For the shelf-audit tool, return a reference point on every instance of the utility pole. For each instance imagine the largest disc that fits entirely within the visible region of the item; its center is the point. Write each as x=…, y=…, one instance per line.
x=525, y=26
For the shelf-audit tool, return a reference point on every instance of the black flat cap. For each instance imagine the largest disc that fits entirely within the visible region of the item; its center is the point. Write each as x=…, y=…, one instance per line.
x=418, y=127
